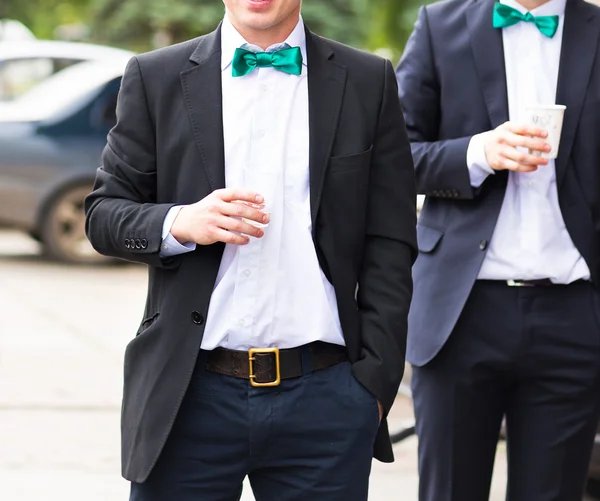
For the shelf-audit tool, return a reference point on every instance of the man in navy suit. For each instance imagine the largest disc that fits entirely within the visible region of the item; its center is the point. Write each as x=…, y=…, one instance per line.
x=505, y=314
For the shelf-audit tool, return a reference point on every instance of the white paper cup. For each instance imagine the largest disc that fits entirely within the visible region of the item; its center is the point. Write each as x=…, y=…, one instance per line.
x=549, y=118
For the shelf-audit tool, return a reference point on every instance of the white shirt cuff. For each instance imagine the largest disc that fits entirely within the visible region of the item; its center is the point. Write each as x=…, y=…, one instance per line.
x=170, y=246
x=479, y=168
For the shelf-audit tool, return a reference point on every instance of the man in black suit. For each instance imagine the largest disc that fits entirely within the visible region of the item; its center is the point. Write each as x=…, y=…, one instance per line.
x=505, y=313
x=265, y=175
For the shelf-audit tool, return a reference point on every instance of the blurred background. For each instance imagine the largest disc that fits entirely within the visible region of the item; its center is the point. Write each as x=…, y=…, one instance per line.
x=66, y=313
x=141, y=25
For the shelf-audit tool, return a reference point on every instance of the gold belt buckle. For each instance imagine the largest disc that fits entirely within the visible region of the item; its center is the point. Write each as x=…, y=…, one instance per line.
x=518, y=283
x=251, y=359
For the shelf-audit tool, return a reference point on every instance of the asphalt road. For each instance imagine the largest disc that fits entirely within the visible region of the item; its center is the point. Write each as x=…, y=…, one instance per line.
x=62, y=336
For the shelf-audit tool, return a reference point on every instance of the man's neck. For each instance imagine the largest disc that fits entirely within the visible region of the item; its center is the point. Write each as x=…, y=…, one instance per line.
x=532, y=4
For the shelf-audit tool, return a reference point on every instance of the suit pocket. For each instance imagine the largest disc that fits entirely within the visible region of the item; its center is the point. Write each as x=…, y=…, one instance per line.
x=350, y=162
x=147, y=322
x=428, y=238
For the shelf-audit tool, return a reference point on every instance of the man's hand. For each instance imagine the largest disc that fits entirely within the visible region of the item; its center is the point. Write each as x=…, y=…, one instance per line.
x=216, y=217
x=501, y=147
x=380, y=411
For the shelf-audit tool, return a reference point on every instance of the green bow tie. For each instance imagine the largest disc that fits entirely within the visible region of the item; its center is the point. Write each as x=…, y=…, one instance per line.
x=505, y=16
x=287, y=60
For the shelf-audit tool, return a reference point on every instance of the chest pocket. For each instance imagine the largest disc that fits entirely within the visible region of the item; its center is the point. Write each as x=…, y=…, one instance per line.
x=352, y=162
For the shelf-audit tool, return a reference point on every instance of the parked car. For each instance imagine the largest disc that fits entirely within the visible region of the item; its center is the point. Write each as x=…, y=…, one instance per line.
x=51, y=141
x=11, y=30
x=25, y=64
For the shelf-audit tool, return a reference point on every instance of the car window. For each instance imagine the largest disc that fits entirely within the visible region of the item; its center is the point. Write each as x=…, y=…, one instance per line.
x=104, y=112
x=18, y=76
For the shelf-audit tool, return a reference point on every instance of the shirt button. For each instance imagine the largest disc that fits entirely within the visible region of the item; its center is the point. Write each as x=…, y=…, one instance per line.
x=260, y=134
x=483, y=245
x=165, y=247
x=241, y=323
x=247, y=273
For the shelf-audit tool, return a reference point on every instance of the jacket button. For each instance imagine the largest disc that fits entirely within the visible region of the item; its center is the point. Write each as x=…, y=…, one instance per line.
x=144, y=243
x=197, y=317
x=483, y=245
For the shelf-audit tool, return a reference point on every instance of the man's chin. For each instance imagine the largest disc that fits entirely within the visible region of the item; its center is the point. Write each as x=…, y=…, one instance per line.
x=259, y=22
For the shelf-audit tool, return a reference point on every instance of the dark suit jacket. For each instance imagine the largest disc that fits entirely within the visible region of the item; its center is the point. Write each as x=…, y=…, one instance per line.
x=452, y=85
x=167, y=149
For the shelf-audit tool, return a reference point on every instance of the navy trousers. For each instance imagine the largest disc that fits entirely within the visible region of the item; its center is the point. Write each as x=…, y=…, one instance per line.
x=311, y=438
x=532, y=355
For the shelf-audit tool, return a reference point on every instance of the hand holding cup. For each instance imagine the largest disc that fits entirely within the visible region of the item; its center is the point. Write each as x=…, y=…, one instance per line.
x=502, y=144
x=226, y=215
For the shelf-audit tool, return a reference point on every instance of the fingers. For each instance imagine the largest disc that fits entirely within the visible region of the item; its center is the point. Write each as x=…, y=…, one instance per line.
x=508, y=164
x=233, y=224
x=530, y=143
x=522, y=157
x=228, y=237
x=241, y=210
x=525, y=130
x=231, y=194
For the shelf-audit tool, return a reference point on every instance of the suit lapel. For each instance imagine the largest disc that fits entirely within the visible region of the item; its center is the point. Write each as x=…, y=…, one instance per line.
x=203, y=97
x=488, y=51
x=579, y=46
x=326, y=84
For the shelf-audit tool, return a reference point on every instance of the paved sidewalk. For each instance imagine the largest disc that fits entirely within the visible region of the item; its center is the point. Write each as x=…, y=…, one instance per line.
x=62, y=335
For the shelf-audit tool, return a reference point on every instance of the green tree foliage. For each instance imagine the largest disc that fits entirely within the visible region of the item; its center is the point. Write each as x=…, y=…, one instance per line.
x=43, y=16
x=130, y=21
x=145, y=24
x=391, y=23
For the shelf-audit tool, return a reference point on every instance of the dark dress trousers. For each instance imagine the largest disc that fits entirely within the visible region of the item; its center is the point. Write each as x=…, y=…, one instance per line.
x=167, y=149
x=474, y=346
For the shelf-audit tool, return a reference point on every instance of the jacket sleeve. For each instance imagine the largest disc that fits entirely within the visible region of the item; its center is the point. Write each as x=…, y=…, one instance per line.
x=385, y=281
x=440, y=165
x=123, y=219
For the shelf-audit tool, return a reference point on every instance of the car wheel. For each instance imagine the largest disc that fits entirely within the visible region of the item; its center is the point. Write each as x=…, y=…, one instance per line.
x=63, y=229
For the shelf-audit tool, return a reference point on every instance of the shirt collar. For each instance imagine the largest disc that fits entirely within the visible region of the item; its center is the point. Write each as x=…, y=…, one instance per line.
x=231, y=40
x=551, y=8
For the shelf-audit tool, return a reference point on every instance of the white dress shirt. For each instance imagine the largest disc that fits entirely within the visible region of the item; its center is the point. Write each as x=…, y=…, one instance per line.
x=530, y=240
x=271, y=292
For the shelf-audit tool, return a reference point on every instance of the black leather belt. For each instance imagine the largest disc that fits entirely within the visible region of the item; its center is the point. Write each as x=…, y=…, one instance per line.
x=269, y=366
